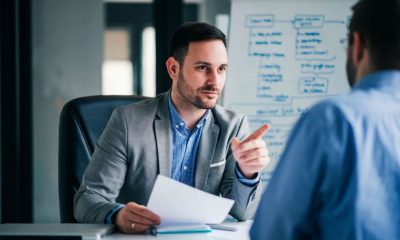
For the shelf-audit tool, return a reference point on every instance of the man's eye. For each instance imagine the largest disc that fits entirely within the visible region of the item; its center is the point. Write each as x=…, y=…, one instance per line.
x=222, y=69
x=202, y=67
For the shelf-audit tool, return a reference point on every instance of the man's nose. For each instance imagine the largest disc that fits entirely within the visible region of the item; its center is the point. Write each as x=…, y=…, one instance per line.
x=214, y=76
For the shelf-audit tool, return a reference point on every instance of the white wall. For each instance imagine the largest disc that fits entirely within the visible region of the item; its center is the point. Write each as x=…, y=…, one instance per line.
x=67, y=59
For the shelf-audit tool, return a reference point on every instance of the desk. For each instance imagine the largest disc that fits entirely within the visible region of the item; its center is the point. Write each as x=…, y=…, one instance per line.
x=241, y=234
x=94, y=231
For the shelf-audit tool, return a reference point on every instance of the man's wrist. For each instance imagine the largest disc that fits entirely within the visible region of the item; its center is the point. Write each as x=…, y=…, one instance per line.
x=250, y=182
x=112, y=215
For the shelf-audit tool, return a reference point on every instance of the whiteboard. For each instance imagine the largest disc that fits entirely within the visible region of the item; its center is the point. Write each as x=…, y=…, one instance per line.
x=283, y=57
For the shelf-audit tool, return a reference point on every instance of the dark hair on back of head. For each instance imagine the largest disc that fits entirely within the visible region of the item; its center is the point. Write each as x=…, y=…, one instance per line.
x=378, y=23
x=193, y=32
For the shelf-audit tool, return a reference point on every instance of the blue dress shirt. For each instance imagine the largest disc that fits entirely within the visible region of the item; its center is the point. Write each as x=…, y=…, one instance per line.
x=185, y=145
x=339, y=176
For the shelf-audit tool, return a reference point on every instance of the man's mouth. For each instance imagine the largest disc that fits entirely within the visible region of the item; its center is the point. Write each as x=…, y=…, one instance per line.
x=210, y=93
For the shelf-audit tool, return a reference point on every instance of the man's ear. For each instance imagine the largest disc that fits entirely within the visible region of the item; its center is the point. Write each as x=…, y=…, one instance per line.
x=172, y=68
x=360, y=56
x=358, y=49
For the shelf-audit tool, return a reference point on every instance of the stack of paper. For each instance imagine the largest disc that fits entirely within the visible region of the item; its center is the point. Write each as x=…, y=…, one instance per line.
x=184, y=209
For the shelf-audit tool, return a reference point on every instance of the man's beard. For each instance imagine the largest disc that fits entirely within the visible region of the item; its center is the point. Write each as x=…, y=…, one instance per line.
x=351, y=71
x=190, y=97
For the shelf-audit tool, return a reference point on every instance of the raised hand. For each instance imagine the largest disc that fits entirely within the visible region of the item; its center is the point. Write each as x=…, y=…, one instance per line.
x=251, y=154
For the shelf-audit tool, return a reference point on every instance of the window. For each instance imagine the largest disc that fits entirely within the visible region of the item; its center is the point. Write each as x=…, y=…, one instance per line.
x=117, y=73
x=129, y=65
x=149, y=62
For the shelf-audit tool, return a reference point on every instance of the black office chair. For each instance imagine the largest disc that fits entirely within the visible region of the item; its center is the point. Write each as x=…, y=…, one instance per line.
x=82, y=121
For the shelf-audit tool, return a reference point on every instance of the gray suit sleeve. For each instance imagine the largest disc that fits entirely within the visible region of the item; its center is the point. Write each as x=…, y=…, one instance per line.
x=105, y=173
x=246, y=198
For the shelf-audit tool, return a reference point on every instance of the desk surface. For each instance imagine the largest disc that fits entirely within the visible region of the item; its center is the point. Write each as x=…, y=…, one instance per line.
x=241, y=234
x=85, y=230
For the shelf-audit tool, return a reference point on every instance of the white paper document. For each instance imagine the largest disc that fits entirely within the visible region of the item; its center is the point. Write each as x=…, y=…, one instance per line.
x=177, y=204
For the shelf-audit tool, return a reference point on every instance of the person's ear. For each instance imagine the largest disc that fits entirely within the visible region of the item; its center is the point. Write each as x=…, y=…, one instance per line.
x=361, y=56
x=358, y=49
x=172, y=68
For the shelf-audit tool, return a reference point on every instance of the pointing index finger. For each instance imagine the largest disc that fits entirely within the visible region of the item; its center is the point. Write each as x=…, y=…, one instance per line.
x=257, y=133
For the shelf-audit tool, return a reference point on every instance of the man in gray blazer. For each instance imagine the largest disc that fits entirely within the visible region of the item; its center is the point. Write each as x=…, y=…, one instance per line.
x=182, y=134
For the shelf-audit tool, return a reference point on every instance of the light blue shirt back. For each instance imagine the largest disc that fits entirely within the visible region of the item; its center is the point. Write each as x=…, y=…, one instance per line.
x=339, y=176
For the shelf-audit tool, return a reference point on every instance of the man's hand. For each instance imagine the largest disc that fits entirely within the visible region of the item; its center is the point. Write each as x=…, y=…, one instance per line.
x=251, y=154
x=135, y=218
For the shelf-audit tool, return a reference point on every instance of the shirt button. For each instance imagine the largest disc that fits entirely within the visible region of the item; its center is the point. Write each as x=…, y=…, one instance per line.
x=177, y=126
x=184, y=167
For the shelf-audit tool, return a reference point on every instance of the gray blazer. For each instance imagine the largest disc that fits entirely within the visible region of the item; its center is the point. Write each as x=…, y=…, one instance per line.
x=136, y=146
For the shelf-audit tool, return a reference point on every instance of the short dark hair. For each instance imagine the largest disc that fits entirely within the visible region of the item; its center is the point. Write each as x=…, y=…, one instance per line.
x=193, y=32
x=378, y=23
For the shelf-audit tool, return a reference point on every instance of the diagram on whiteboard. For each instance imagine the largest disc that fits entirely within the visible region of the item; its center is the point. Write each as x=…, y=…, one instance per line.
x=283, y=58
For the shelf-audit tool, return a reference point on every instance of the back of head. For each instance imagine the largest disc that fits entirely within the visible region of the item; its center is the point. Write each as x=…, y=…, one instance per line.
x=378, y=23
x=193, y=32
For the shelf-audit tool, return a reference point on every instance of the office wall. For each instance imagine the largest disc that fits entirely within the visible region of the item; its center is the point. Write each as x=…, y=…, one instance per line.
x=67, y=59
x=210, y=8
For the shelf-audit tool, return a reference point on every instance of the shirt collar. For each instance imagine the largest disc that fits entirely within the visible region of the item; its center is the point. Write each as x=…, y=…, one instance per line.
x=389, y=79
x=176, y=118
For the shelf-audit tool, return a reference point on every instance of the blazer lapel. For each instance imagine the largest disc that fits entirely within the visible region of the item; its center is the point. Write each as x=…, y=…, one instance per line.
x=163, y=137
x=206, y=151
